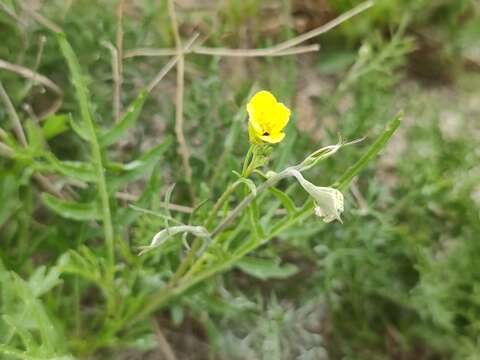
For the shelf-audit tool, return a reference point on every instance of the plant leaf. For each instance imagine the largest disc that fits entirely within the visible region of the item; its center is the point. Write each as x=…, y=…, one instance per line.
x=71, y=210
x=79, y=129
x=36, y=141
x=55, y=125
x=126, y=122
x=374, y=149
x=286, y=201
x=75, y=169
x=266, y=268
x=126, y=173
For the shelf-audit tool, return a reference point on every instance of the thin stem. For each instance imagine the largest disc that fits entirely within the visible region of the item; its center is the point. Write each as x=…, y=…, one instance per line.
x=170, y=64
x=119, y=47
x=170, y=206
x=246, y=161
x=16, y=124
x=226, y=52
x=115, y=59
x=326, y=27
x=183, y=267
x=246, y=201
x=50, y=25
x=218, y=205
x=183, y=148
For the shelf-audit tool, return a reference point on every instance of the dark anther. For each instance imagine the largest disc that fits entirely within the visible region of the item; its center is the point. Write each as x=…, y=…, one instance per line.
x=266, y=133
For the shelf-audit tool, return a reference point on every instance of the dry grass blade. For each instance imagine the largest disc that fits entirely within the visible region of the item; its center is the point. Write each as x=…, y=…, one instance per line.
x=116, y=80
x=163, y=344
x=170, y=64
x=119, y=58
x=31, y=75
x=174, y=207
x=326, y=27
x=183, y=148
x=47, y=186
x=5, y=150
x=35, y=77
x=12, y=114
x=12, y=14
x=41, y=19
x=267, y=52
x=203, y=50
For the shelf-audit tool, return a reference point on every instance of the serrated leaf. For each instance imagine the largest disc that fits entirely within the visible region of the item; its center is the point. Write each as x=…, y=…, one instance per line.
x=126, y=122
x=71, y=210
x=55, y=125
x=266, y=268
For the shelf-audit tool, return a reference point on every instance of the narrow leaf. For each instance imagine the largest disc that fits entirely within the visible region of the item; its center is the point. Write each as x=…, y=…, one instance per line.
x=55, y=125
x=286, y=201
x=78, y=170
x=376, y=147
x=36, y=141
x=79, y=129
x=126, y=173
x=71, y=210
x=266, y=268
x=127, y=121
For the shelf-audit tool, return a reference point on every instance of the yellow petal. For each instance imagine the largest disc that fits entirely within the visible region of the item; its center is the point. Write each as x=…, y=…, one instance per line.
x=273, y=138
x=260, y=105
x=255, y=125
x=254, y=135
x=261, y=100
x=281, y=115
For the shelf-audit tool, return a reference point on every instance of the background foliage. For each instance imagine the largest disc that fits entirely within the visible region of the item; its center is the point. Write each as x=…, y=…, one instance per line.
x=398, y=280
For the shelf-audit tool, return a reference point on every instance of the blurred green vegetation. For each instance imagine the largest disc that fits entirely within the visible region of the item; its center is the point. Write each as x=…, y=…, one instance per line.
x=399, y=279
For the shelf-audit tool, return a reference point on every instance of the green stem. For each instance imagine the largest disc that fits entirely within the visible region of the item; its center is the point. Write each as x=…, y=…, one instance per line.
x=83, y=101
x=183, y=267
x=247, y=161
x=218, y=205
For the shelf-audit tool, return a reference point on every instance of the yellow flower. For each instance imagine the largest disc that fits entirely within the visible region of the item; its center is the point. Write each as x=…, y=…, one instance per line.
x=267, y=118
